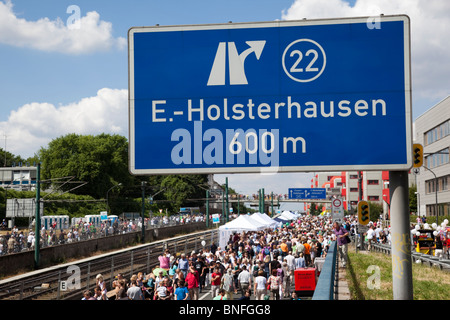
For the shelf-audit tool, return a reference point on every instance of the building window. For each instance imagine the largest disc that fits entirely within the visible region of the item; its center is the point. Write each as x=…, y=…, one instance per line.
x=373, y=182
x=353, y=176
x=442, y=184
x=437, y=133
x=353, y=189
x=373, y=198
x=437, y=159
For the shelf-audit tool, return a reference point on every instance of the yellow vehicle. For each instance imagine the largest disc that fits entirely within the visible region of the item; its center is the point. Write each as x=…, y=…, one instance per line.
x=425, y=242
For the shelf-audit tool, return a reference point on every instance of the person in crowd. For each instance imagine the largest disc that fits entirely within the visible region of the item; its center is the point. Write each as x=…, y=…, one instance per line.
x=221, y=295
x=164, y=260
x=286, y=280
x=192, y=283
x=121, y=290
x=342, y=242
x=228, y=284
x=183, y=264
x=216, y=280
x=99, y=294
x=87, y=295
x=438, y=252
x=260, y=286
x=274, y=283
x=244, y=280
x=134, y=292
x=181, y=292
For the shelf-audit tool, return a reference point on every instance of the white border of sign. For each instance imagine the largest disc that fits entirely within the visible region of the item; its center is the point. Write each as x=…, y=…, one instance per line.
x=206, y=170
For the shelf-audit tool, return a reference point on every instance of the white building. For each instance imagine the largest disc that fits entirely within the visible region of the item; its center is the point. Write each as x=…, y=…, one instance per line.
x=18, y=178
x=432, y=130
x=375, y=186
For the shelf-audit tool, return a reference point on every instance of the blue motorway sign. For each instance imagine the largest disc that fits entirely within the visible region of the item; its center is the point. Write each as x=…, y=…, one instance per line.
x=281, y=96
x=307, y=193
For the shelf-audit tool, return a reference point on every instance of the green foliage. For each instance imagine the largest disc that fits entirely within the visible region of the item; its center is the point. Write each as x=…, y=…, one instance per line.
x=7, y=159
x=315, y=209
x=412, y=199
x=71, y=204
x=376, y=210
x=101, y=161
x=180, y=188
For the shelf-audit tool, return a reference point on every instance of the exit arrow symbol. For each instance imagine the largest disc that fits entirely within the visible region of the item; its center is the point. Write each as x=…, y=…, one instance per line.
x=256, y=47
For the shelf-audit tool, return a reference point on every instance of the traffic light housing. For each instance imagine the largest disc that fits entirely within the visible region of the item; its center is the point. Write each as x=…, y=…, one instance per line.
x=363, y=213
x=417, y=155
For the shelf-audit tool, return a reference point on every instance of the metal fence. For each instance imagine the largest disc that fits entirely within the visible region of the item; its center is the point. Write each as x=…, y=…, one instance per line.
x=68, y=281
x=17, y=242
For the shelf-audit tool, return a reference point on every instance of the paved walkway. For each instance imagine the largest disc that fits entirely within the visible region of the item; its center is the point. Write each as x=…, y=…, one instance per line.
x=342, y=292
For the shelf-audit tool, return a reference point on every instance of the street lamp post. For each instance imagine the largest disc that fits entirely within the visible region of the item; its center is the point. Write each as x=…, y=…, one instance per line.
x=418, y=202
x=436, y=192
x=207, y=208
x=107, y=195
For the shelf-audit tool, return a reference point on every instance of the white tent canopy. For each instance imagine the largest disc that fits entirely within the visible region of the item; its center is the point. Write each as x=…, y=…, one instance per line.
x=288, y=215
x=264, y=218
x=241, y=223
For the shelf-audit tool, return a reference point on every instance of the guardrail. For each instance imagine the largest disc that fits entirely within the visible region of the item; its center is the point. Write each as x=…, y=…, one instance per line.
x=417, y=257
x=325, y=286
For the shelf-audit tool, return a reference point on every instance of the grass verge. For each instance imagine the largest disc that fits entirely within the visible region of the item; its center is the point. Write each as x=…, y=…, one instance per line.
x=369, y=277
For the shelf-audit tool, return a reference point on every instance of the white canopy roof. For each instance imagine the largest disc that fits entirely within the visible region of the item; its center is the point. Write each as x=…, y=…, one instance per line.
x=288, y=215
x=265, y=219
x=243, y=223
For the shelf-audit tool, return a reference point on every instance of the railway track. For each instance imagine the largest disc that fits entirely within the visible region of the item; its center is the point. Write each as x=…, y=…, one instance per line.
x=68, y=281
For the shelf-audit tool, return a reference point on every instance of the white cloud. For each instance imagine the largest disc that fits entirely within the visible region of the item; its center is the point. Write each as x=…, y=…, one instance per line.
x=76, y=36
x=430, y=31
x=34, y=125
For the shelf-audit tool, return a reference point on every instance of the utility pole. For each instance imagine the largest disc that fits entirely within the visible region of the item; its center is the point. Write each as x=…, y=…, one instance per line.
x=37, y=237
x=400, y=235
x=271, y=199
x=239, y=204
x=262, y=199
x=142, y=212
x=259, y=200
x=207, y=209
x=226, y=192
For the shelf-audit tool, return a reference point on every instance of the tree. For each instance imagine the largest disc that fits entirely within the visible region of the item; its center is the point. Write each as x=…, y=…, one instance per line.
x=7, y=159
x=315, y=209
x=180, y=188
x=375, y=210
x=413, y=198
x=101, y=161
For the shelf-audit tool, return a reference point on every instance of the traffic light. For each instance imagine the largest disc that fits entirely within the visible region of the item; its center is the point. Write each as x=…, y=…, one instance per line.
x=417, y=155
x=363, y=213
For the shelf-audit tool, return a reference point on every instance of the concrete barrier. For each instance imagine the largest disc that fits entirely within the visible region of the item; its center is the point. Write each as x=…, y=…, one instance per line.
x=325, y=286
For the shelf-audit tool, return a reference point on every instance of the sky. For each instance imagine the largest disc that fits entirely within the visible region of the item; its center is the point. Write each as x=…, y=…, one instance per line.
x=64, y=64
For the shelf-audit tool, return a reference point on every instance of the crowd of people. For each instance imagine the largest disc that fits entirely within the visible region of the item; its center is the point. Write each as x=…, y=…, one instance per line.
x=16, y=240
x=257, y=265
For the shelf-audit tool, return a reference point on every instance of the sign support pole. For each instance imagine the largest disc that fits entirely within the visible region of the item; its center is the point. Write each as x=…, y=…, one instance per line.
x=400, y=236
x=143, y=212
x=207, y=208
